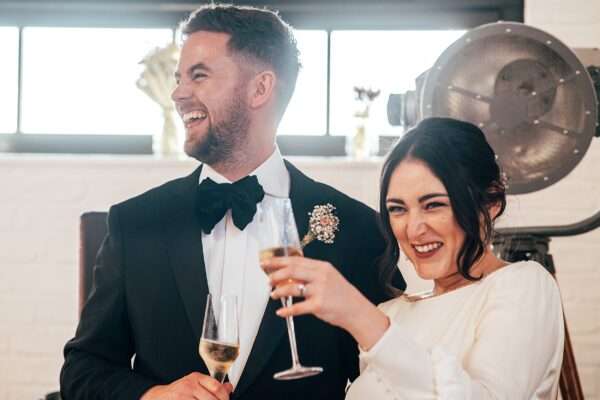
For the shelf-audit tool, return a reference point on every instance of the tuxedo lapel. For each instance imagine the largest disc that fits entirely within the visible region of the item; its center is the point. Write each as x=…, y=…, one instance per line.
x=302, y=197
x=270, y=333
x=185, y=249
x=305, y=194
x=272, y=328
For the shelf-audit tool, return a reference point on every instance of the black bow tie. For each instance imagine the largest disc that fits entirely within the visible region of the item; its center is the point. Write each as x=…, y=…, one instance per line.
x=214, y=199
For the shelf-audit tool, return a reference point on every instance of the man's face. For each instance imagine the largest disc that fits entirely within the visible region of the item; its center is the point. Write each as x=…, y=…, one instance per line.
x=210, y=97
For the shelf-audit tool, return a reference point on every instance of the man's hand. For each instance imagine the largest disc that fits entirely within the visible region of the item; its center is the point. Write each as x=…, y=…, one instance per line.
x=195, y=386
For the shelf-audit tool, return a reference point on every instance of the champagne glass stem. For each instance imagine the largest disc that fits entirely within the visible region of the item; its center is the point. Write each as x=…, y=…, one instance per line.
x=291, y=332
x=220, y=376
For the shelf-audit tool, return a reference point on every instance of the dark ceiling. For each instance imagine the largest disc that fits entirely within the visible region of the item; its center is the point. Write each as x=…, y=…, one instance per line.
x=333, y=14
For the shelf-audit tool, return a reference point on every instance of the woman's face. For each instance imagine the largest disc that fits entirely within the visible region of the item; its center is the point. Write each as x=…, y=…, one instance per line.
x=422, y=220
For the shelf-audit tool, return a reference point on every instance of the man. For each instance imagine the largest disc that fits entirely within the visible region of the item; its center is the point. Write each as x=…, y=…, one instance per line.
x=167, y=248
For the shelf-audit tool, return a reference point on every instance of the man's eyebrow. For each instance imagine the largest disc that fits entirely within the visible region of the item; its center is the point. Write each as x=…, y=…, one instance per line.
x=198, y=66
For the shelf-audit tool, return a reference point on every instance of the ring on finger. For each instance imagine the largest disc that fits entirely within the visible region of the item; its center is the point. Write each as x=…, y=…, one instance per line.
x=302, y=289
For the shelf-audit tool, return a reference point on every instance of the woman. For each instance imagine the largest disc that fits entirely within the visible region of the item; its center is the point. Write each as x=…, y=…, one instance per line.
x=487, y=330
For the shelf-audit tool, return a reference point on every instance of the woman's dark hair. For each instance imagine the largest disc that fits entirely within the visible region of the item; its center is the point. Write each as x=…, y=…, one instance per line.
x=257, y=34
x=460, y=157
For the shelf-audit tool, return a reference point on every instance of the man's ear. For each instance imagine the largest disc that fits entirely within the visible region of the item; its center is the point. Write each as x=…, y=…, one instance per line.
x=261, y=88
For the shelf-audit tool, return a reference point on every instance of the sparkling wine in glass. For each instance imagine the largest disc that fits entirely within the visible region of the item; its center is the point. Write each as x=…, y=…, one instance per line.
x=279, y=238
x=220, y=344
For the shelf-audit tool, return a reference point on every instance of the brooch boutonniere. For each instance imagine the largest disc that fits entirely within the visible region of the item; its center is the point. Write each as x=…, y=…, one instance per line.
x=322, y=225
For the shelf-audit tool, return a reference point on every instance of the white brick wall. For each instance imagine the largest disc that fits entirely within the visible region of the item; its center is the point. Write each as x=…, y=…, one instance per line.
x=577, y=24
x=41, y=199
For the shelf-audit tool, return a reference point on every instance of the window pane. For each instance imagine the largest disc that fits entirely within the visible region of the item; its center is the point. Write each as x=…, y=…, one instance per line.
x=83, y=80
x=9, y=48
x=307, y=111
x=385, y=60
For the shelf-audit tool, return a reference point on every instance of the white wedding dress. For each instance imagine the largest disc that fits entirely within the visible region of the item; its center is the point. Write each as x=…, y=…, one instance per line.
x=499, y=338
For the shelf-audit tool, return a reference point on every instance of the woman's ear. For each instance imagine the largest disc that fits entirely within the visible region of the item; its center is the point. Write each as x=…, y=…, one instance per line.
x=261, y=89
x=494, y=210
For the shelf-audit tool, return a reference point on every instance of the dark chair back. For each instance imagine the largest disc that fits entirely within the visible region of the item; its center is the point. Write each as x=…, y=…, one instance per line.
x=92, y=230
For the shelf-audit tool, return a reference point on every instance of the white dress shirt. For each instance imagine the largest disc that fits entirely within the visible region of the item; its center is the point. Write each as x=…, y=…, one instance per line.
x=231, y=257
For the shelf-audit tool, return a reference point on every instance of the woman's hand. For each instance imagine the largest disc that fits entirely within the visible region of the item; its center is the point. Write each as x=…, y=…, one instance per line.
x=328, y=295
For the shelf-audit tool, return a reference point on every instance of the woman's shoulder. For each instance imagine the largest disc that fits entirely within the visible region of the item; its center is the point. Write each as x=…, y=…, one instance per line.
x=393, y=306
x=525, y=272
x=516, y=280
x=522, y=279
x=389, y=307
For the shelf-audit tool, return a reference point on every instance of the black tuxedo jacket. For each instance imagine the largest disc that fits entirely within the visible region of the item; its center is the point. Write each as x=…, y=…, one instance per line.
x=150, y=291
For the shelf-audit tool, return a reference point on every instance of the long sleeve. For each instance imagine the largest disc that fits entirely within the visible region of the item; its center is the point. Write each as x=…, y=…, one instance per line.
x=364, y=251
x=98, y=359
x=516, y=351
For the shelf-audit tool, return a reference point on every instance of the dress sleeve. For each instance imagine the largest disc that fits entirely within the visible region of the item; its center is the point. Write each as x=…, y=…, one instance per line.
x=519, y=341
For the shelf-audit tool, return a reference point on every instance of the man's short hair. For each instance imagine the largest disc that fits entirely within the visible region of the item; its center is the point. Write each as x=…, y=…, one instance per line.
x=259, y=35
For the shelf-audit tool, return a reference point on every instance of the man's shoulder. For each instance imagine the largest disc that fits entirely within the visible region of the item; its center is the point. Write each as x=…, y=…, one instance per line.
x=344, y=202
x=320, y=192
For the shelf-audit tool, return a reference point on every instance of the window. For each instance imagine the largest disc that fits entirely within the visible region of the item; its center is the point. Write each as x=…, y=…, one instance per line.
x=9, y=81
x=382, y=60
x=82, y=81
x=307, y=111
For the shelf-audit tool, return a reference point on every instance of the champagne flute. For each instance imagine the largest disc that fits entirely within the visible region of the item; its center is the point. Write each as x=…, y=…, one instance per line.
x=220, y=344
x=279, y=237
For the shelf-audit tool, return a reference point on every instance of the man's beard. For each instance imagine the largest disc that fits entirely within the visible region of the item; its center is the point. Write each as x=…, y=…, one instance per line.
x=227, y=136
